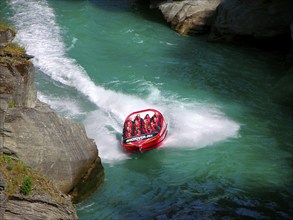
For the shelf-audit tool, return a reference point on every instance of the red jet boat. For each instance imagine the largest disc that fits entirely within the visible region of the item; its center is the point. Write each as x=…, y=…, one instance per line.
x=143, y=130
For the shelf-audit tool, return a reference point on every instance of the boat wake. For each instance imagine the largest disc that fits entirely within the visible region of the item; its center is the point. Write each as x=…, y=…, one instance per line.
x=191, y=125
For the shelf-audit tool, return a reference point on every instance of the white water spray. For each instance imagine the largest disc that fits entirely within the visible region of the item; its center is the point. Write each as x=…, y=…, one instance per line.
x=190, y=124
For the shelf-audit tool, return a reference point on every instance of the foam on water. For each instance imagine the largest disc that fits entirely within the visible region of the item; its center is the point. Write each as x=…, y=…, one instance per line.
x=68, y=107
x=191, y=124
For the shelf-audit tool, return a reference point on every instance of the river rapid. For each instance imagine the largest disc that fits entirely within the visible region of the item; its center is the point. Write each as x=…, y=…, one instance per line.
x=228, y=152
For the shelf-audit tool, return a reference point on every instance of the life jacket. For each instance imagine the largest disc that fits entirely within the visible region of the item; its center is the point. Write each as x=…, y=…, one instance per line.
x=137, y=132
x=128, y=135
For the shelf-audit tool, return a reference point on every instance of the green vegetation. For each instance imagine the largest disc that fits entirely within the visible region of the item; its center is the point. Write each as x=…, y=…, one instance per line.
x=21, y=179
x=11, y=104
x=12, y=50
x=26, y=186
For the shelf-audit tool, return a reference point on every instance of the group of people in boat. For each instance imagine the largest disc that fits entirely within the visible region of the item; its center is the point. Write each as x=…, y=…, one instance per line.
x=140, y=126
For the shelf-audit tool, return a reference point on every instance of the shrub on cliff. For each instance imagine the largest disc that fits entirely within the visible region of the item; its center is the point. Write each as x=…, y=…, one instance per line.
x=12, y=50
x=26, y=186
x=22, y=179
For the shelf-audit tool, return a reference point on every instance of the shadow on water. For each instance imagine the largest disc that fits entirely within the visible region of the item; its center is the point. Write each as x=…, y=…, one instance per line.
x=139, y=7
x=114, y=5
x=155, y=196
x=205, y=198
x=268, y=125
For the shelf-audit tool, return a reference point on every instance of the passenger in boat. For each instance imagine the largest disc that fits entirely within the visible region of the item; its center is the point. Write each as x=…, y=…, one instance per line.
x=147, y=118
x=128, y=123
x=137, y=132
x=128, y=132
x=146, y=121
x=128, y=129
x=137, y=124
x=158, y=116
x=139, y=119
x=156, y=121
x=153, y=127
x=144, y=128
x=149, y=130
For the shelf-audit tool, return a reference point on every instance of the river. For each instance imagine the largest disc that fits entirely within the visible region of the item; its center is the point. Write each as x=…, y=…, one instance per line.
x=228, y=152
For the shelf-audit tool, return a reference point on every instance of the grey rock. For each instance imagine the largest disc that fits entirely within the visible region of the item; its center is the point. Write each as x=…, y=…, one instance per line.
x=27, y=208
x=17, y=80
x=57, y=146
x=3, y=198
x=261, y=19
x=189, y=16
x=6, y=36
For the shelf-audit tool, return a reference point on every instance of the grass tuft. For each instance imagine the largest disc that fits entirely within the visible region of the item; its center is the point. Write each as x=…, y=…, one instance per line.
x=12, y=50
x=21, y=179
x=11, y=104
x=26, y=187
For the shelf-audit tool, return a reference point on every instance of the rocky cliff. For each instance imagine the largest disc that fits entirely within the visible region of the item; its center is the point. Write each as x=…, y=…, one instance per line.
x=261, y=19
x=225, y=19
x=188, y=17
x=33, y=133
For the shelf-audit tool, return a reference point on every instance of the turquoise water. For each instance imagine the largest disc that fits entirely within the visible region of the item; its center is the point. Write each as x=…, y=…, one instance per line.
x=228, y=153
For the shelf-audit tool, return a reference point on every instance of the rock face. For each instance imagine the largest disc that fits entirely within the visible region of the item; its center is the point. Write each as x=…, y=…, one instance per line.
x=260, y=19
x=3, y=198
x=36, y=135
x=57, y=146
x=6, y=36
x=189, y=16
x=25, y=208
x=17, y=83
